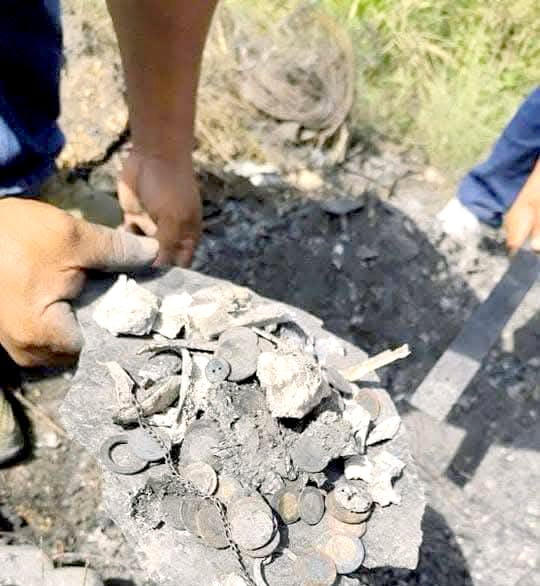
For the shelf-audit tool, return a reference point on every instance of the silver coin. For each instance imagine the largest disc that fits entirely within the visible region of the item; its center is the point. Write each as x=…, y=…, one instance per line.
x=228, y=489
x=316, y=569
x=286, y=504
x=346, y=552
x=217, y=370
x=311, y=505
x=353, y=495
x=351, y=529
x=267, y=549
x=171, y=511
x=117, y=456
x=211, y=527
x=251, y=521
x=188, y=512
x=240, y=348
x=159, y=366
x=200, y=443
x=202, y=476
x=309, y=454
x=144, y=446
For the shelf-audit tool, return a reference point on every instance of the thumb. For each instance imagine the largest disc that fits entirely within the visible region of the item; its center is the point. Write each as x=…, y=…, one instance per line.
x=105, y=249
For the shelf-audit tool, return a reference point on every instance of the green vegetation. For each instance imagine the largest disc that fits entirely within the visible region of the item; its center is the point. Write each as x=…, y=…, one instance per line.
x=445, y=75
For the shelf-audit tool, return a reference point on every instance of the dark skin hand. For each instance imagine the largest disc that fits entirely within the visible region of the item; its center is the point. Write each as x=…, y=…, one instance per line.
x=45, y=254
x=161, y=44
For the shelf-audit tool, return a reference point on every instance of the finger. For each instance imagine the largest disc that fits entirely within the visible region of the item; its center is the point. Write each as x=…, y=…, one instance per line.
x=180, y=255
x=518, y=225
x=58, y=339
x=106, y=249
x=140, y=224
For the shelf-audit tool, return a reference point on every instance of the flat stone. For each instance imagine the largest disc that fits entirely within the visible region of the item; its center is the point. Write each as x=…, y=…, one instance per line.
x=311, y=505
x=171, y=556
x=127, y=308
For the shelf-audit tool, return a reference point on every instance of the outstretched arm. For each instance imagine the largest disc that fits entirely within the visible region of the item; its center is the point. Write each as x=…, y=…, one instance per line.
x=161, y=43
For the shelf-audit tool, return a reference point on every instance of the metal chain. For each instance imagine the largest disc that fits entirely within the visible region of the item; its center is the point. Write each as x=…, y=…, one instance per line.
x=191, y=489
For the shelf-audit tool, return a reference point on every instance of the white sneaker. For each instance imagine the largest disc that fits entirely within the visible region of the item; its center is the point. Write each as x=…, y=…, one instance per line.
x=458, y=221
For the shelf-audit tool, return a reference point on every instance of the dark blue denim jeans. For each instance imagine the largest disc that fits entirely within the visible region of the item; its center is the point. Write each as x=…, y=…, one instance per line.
x=489, y=189
x=30, y=63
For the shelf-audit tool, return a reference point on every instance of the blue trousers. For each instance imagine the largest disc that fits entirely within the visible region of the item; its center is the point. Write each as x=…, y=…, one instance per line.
x=30, y=63
x=490, y=188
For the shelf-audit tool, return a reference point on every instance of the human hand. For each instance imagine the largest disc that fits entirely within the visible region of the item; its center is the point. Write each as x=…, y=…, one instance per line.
x=43, y=256
x=522, y=221
x=161, y=198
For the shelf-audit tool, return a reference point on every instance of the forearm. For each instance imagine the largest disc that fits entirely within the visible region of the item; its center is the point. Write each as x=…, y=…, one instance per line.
x=161, y=43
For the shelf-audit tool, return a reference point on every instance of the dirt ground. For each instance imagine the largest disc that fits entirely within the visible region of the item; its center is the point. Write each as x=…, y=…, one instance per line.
x=382, y=276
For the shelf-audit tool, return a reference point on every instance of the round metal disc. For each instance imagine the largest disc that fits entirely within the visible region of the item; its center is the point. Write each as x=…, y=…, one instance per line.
x=352, y=530
x=311, y=505
x=188, y=512
x=346, y=552
x=286, y=504
x=251, y=521
x=203, y=476
x=217, y=370
x=368, y=399
x=228, y=489
x=316, y=569
x=344, y=515
x=144, y=446
x=240, y=348
x=200, y=443
x=171, y=509
x=267, y=549
x=210, y=526
x=130, y=463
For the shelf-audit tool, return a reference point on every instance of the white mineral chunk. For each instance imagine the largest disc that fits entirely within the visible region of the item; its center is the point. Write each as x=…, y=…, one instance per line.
x=327, y=347
x=206, y=318
x=359, y=419
x=173, y=316
x=127, y=308
x=232, y=298
x=385, y=430
x=359, y=468
x=293, y=383
x=386, y=467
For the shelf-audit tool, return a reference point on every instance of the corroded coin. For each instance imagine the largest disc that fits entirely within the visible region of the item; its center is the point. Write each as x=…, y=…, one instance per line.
x=229, y=488
x=202, y=476
x=118, y=457
x=346, y=552
x=217, y=370
x=210, y=526
x=251, y=521
x=351, y=529
x=240, y=348
x=267, y=549
x=188, y=512
x=309, y=454
x=311, y=505
x=200, y=443
x=316, y=569
x=171, y=511
x=368, y=399
x=286, y=504
x=353, y=495
x=342, y=514
x=144, y=446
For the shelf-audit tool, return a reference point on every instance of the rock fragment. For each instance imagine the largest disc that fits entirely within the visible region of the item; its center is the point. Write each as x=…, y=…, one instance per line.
x=385, y=430
x=293, y=383
x=359, y=468
x=386, y=467
x=327, y=348
x=127, y=308
x=359, y=419
x=172, y=316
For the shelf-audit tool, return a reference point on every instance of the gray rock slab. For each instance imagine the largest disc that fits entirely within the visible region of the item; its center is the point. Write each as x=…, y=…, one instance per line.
x=173, y=557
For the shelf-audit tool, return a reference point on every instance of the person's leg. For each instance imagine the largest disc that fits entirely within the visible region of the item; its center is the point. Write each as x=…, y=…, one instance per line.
x=30, y=63
x=490, y=188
